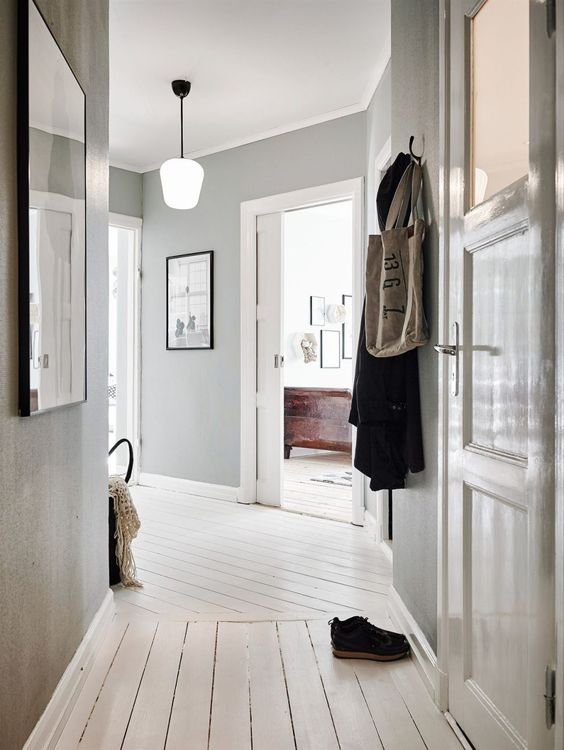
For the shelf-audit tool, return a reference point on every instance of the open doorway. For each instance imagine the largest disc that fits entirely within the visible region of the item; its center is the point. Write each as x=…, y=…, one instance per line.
x=318, y=372
x=302, y=282
x=124, y=245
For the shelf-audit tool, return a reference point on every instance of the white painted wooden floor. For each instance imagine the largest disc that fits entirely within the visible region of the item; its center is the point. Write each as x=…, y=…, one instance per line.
x=223, y=560
x=227, y=646
x=301, y=495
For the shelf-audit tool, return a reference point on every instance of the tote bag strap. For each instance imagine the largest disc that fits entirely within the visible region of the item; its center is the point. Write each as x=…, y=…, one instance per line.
x=408, y=188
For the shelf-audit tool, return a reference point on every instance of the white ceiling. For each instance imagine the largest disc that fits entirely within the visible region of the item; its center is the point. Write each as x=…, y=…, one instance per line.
x=258, y=68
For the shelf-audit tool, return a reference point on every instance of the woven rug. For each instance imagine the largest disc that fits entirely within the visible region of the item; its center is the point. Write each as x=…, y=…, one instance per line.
x=342, y=478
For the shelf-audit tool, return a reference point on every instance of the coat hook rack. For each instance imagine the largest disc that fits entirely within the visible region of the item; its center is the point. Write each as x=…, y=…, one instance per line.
x=414, y=156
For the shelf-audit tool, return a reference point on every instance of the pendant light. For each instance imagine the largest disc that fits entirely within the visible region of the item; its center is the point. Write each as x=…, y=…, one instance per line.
x=181, y=179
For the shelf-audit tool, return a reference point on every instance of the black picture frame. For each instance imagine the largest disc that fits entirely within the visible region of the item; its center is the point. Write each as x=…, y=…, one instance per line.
x=347, y=343
x=314, y=318
x=330, y=345
x=206, y=333
x=30, y=397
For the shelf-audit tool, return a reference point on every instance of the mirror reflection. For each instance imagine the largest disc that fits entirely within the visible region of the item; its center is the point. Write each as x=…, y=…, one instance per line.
x=57, y=304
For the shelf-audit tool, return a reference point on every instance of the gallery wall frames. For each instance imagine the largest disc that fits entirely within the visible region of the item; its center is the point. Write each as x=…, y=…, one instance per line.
x=347, y=327
x=330, y=349
x=189, y=301
x=317, y=311
x=51, y=149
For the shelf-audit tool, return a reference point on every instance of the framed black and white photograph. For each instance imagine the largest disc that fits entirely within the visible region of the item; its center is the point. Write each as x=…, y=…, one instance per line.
x=189, y=295
x=317, y=311
x=330, y=349
x=347, y=327
x=51, y=220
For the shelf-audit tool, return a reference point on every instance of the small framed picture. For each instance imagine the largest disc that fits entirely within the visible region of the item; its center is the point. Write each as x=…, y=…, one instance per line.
x=330, y=349
x=317, y=311
x=347, y=327
x=189, y=301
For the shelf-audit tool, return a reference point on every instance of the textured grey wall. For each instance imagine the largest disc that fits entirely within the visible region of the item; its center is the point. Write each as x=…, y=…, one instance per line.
x=126, y=192
x=378, y=130
x=190, y=399
x=415, y=111
x=53, y=487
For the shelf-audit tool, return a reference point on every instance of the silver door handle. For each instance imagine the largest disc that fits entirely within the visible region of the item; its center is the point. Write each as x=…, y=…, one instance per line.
x=445, y=349
x=278, y=360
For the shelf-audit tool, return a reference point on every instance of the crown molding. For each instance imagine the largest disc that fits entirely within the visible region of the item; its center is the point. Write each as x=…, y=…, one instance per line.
x=290, y=127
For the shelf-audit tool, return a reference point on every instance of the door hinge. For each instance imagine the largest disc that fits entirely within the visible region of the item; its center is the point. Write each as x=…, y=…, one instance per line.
x=550, y=17
x=550, y=695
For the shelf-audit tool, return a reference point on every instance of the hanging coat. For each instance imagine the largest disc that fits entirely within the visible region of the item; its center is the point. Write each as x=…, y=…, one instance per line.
x=385, y=405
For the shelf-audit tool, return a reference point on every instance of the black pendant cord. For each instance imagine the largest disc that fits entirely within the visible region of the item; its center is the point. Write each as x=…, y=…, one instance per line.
x=182, y=127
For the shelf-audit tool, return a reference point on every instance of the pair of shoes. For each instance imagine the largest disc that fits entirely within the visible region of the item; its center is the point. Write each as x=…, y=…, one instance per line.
x=356, y=638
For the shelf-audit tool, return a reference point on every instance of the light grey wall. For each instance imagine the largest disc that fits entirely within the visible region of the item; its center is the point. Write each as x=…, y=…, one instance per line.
x=126, y=192
x=378, y=130
x=415, y=111
x=190, y=399
x=53, y=485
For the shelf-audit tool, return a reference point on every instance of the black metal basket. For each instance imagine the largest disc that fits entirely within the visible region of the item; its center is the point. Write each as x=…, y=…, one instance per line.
x=113, y=563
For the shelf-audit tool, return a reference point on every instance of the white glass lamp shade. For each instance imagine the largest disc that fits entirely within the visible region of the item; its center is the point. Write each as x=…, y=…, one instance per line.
x=181, y=180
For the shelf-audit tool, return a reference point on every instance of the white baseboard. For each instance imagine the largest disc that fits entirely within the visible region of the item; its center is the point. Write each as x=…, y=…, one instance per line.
x=46, y=732
x=189, y=487
x=371, y=525
x=375, y=532
x=424, y=656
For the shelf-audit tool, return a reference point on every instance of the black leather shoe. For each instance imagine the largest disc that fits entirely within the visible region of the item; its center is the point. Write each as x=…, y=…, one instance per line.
x=356, y=638
x=354, y=622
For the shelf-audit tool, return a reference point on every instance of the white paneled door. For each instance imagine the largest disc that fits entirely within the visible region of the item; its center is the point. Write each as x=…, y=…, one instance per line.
x=270, y=405
x=501, y=403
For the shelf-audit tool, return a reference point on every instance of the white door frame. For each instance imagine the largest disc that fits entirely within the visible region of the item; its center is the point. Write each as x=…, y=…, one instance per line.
x=382, y=512
x=443, y=332
x=559, y=381
x=353, y=189
x=134, y=351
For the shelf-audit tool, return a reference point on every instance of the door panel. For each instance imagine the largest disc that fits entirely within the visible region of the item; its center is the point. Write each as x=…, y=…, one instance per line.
x=270, y=406
x=500, y=462
x=496, y=333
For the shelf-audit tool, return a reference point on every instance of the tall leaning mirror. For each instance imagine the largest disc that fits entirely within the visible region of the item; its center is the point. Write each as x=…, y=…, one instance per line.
x=52, y=221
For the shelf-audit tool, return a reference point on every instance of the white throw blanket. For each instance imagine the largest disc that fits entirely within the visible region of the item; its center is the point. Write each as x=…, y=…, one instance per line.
x=127, y=526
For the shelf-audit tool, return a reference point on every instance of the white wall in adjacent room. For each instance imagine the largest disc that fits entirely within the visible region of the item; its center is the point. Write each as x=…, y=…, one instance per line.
x=317, y=261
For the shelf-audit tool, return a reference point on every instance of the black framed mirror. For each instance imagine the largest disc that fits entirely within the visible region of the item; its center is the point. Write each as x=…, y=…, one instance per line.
x=51, y=220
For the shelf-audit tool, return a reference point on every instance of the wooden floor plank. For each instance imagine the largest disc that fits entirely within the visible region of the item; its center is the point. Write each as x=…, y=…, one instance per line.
x=266, y=540
x=148, y=724
x=342, y=574
x=189, y=719
x=270, y=710
x=352, y=718
x=108, y=722
x=330, y=500
x=280, y=592
x=395, y=726
x=335, y=593
x=431, y=724
x=235, y=597
x=313, y=724
x=76, y=722
x=378, y=569
x=230, y=711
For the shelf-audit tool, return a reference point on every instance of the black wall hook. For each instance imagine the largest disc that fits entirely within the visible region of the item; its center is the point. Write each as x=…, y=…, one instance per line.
x=414, y=156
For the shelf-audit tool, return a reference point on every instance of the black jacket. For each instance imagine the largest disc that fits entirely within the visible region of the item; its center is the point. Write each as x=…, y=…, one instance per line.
x=385, y=403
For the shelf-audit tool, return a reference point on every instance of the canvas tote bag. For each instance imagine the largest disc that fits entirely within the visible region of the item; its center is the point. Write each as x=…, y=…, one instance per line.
x=394, y=318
